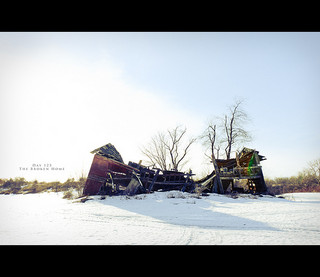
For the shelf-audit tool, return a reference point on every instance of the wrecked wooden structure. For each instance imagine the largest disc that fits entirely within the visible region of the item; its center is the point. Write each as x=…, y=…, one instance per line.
x=109, y=175
x=246, y=166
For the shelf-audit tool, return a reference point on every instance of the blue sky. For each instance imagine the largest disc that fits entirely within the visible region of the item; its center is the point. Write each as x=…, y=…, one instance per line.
x=56, y=89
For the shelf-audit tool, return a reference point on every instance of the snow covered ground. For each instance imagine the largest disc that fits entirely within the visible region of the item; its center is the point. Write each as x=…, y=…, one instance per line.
x=160, y=218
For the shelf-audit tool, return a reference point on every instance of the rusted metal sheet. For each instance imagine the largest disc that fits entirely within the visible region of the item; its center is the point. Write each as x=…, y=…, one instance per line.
x=98, y=174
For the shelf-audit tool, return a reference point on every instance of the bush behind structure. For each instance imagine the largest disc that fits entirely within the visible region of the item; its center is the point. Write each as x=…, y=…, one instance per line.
x=20, y=185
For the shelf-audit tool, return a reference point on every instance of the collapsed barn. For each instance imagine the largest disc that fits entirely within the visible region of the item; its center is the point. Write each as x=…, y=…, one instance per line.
x=109, y=175
x=246, y=166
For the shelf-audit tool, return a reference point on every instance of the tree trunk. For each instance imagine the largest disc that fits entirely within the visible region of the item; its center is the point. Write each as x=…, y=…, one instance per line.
x=216, y=169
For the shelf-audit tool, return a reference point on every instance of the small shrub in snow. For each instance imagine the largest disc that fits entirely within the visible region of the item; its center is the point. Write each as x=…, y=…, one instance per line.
x=175, y=194
x=140, y=196
x=68, y=195
x=191, y=201
x=196, y=195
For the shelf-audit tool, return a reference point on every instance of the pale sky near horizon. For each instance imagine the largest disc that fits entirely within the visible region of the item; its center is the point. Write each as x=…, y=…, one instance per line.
x=64, y=94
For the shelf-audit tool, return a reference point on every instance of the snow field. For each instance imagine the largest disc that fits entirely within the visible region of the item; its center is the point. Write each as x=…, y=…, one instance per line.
x=160, y=218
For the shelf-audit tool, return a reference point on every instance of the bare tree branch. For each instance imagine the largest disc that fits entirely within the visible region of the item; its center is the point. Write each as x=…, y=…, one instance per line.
x=231, y=131
x=209, y=137
x=156, y=151
x=233, y=126
x=168, y=146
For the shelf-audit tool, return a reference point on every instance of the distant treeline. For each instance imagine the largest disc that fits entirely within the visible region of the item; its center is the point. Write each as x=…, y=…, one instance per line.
x=304, y=182
x=20, y=185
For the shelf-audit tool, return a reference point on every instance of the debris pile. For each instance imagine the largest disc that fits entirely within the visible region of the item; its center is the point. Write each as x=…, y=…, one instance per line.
x=246, y=166
x=109, y=175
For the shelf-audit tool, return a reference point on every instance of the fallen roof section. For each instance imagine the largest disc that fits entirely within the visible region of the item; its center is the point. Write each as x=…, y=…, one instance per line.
x=108, y=151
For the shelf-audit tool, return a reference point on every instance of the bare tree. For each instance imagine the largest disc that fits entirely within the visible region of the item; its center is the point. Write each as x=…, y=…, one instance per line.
x=168, y=147
x=314, y=169
x=233, y=124
x=228, y=133
x=176, y=149
x=209, y=138
x=157, y=152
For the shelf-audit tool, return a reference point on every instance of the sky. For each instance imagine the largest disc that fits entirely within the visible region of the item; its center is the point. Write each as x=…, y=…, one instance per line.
x=64, y=94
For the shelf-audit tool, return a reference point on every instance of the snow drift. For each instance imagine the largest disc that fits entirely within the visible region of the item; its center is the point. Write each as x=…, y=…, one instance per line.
x=160, y=218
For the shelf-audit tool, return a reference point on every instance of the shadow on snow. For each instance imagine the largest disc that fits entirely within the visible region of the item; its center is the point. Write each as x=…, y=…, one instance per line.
x=189, y=211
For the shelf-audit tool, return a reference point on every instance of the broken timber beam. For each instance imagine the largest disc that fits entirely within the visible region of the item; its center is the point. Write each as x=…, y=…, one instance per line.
x=153, y=180
x=218, y=188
